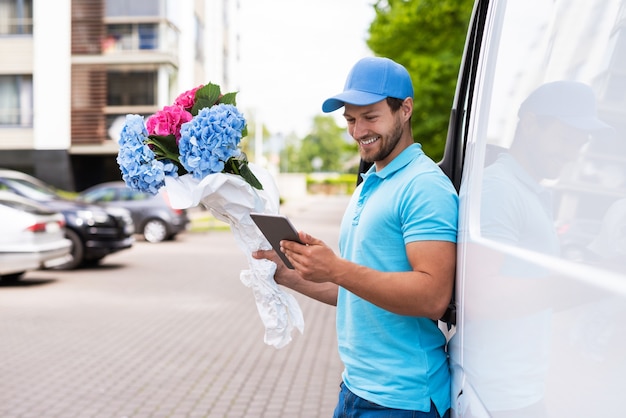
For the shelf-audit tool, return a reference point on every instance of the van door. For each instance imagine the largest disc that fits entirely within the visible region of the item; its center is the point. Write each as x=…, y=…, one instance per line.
x=537, y=149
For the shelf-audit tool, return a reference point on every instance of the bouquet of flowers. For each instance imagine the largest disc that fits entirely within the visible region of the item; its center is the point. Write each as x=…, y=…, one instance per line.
x=198, y=134
x=192, y=149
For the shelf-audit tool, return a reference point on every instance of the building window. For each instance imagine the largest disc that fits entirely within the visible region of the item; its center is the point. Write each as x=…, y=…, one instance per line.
x=131, y=88
x=131, y=37
x=148, y=36
x=16, y=100
x=16, y=17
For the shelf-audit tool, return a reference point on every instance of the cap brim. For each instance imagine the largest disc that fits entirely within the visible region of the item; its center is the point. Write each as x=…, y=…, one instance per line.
x=353, y=97
x=588, y=124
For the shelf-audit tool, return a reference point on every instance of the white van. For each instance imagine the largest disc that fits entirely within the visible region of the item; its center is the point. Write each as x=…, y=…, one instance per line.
x=537, y=150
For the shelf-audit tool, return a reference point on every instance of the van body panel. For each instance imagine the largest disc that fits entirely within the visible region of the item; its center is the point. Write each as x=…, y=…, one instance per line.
x=537, y=150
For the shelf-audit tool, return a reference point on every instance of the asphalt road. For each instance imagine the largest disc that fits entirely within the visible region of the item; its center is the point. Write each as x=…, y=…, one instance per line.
x=165, y=330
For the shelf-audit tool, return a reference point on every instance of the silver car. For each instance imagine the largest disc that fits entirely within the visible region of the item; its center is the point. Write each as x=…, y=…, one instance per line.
x=94, y=231
x=31, y=237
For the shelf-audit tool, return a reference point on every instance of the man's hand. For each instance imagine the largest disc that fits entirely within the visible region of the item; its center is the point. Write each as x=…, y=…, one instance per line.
x=294, y=279
x=313, y=260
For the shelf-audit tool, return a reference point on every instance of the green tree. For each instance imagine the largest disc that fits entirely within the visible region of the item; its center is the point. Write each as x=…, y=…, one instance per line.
x=326, y=142
x=427, y=37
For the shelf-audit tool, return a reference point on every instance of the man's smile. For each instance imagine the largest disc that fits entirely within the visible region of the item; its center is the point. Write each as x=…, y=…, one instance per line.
x=369, y=140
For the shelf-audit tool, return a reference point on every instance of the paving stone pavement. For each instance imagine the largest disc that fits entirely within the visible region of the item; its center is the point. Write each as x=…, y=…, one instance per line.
x=177, y=335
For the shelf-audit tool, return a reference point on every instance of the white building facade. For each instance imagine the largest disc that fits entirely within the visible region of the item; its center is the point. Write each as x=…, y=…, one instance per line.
x=77, y=67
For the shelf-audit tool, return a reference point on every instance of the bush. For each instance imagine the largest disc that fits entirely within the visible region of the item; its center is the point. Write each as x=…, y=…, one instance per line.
x=331, y=183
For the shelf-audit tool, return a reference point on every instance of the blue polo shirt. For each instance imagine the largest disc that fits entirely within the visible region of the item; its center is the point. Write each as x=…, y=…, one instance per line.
x=394, y=360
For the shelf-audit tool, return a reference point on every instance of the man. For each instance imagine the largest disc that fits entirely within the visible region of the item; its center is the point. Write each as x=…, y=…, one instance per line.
x=395, y=275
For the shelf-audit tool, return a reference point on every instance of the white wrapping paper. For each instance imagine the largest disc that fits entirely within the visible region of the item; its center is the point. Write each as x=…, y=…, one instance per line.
x=231, y=199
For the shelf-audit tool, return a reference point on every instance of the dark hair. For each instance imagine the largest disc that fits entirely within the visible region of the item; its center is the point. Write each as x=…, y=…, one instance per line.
x=394, y=103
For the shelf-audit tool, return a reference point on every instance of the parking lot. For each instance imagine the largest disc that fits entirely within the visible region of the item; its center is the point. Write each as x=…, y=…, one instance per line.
x=165, y=330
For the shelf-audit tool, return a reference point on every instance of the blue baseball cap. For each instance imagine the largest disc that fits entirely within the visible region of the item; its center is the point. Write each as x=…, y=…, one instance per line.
x=571, y=102
x=371, y=80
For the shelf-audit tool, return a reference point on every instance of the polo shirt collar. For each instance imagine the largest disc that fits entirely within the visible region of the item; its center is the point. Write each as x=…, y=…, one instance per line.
x=402, y=160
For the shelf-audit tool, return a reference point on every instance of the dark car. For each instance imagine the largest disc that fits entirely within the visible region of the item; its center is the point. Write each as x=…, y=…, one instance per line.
x=153, y=216
x=95, y=232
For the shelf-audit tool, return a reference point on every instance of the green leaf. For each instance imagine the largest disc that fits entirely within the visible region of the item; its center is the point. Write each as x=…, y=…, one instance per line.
x=206, y=96
x=248, y=175
x=240, y=167
x=210, y=92
x=165, y=143
x=229, y=98
x=165, y=147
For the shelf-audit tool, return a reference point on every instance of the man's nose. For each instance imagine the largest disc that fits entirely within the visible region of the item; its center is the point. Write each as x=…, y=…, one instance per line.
x=358, y=129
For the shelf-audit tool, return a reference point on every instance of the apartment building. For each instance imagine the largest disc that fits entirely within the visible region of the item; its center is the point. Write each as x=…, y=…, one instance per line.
x=72, y=69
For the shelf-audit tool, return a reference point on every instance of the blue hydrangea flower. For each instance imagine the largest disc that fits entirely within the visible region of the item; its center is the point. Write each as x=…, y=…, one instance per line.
x=169, y=168
x=140, y=169
x=210, y=139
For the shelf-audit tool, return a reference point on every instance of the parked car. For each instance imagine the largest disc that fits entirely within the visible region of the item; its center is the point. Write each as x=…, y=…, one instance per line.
x=31, y=237
x=95, y=232
x=153, y=216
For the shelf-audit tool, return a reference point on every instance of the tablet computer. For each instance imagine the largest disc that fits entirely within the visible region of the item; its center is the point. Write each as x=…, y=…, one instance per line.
x=275, y=228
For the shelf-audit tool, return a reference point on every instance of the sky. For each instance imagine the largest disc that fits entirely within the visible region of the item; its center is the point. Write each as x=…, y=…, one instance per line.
x=295, y=54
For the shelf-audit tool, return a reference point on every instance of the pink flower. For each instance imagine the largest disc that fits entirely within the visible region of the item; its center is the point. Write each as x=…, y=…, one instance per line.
x=187, y=99
x=168, y=121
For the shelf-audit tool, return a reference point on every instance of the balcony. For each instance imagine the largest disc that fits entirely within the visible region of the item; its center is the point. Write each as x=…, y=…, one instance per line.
x=137, y=37
x=133, y=43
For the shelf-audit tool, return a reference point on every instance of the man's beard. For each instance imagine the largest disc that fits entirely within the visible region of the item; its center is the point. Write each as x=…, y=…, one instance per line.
x=388, y=144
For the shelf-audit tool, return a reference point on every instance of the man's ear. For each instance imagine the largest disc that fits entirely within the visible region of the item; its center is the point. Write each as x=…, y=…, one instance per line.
x=407, y=108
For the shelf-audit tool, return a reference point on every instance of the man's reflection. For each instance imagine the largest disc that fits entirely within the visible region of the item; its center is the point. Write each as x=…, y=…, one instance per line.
x=507, y=329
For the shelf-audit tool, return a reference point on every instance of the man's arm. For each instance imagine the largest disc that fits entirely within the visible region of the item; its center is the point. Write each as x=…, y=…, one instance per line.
x=425, y=291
